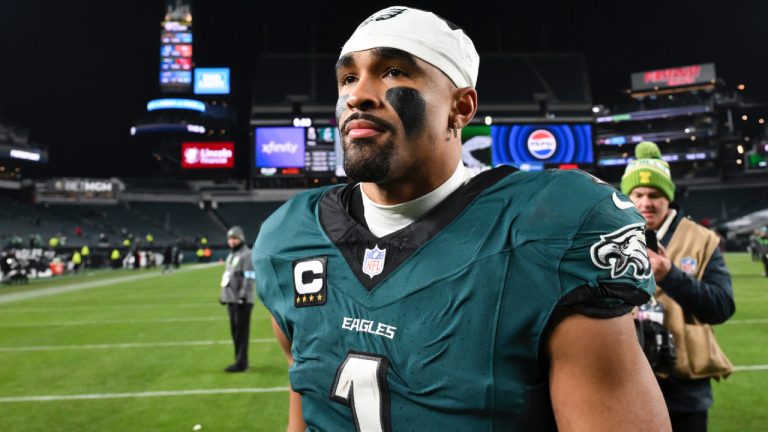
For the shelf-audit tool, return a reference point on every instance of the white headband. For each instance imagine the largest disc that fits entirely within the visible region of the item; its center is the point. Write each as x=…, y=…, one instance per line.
x=422, y=34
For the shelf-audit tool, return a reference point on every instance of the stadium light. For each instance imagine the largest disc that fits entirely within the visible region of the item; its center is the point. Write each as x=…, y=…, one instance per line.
x=488, y=120
x=744, y=117
x=302, y=122
x=738, y=161
x=192, y=128
x=26, y=155
x=761, y=121
x=179, y=104
x=741, y=87
x=740, y=149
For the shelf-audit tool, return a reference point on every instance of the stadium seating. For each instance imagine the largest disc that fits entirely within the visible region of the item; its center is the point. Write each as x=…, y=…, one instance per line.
x=721, y=205
x=249, y=215
x=22, y=220
x=185, y=220
x=167, y=222
x=112, y=220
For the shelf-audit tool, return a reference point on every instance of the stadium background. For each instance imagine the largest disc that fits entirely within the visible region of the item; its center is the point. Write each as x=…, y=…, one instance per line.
x=92, y=153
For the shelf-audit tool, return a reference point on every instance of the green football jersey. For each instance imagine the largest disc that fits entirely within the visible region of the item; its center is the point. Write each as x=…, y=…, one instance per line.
x=442, y=325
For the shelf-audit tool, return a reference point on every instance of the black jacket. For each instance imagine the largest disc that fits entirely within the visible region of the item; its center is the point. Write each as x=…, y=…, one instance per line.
x=711, y=301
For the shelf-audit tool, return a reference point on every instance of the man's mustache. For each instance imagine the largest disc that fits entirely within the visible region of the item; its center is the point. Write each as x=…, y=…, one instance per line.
x=368, y=117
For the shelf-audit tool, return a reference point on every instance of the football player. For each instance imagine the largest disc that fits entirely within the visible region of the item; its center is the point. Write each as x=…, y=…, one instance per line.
x=420, y=298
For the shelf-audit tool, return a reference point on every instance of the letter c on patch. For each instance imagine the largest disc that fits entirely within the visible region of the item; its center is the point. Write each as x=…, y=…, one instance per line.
x=308, y=276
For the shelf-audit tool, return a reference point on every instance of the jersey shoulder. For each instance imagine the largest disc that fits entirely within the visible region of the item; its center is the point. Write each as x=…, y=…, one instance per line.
x=298, y=216
x=557, y=202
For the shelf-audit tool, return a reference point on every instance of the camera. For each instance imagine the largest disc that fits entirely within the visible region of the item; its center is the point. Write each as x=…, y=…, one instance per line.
x=658, y=344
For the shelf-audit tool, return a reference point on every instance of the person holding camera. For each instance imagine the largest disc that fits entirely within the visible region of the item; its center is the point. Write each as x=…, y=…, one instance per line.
x=237, y=294
x=693, y=288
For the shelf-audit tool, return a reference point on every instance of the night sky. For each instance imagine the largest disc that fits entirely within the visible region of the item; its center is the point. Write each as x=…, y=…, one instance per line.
x=78, y=74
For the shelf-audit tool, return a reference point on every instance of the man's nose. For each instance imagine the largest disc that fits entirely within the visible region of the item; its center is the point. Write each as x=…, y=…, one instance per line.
x=364, y=94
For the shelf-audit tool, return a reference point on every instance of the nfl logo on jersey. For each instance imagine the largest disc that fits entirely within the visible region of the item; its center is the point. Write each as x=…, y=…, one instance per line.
x=373, y=262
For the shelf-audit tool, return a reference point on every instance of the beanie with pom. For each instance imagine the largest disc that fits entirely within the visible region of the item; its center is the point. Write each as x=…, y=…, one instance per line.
x=648, y=170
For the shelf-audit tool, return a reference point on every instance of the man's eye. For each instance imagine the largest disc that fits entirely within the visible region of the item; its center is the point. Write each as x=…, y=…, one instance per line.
x=347, y=79
x=395, y=73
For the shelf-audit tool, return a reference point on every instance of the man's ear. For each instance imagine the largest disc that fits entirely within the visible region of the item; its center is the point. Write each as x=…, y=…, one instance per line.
x=464, y=107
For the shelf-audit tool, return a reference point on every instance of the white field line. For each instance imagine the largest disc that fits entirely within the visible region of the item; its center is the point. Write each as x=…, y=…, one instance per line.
x=54, y=398
x=45, y=292
x=26, y=310
x=747, y=321
x=197, y=392
x=750, y=368
x=126, y=345
x=123, y=321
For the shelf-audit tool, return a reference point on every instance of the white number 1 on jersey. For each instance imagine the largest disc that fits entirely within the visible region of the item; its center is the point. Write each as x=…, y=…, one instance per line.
x=361, y=384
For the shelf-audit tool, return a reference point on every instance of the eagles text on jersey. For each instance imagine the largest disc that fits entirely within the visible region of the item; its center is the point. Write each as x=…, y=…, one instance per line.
x=441, y=325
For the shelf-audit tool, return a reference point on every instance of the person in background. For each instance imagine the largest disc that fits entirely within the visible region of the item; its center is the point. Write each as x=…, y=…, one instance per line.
x=77, y=261
x=115, y=258
x=85, y=251
x=689, y=270
x=167, y=258
x=136, y=258
x=763, y=248
x=178, y=256
x=237, y=295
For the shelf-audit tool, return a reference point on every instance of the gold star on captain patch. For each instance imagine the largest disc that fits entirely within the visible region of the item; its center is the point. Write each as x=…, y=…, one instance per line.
x=319, y=297
x=311, y=298
x=298, y=299
x=304, y=299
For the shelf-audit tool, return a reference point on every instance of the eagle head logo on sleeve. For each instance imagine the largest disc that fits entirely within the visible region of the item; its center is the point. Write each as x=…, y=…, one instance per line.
x=622, y=249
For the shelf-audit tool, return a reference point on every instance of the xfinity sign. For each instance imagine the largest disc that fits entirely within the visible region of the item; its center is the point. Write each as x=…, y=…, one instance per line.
x=273, y=147
x=280, y=147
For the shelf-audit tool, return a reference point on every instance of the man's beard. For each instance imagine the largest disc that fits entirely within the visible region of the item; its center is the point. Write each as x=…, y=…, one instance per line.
x=365, y=161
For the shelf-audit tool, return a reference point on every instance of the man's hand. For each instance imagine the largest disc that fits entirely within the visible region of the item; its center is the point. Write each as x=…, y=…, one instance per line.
x=600, y=380
x=660, y=263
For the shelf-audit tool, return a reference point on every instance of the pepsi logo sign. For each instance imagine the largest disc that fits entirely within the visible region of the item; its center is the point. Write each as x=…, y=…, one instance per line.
x=542, y=144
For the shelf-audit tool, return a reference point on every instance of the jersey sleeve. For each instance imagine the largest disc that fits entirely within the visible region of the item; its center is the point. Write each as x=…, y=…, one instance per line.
x=268, y=289
x=606, y=271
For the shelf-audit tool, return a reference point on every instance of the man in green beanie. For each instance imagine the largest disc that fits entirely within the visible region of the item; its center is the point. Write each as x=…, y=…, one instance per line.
x=693, y=285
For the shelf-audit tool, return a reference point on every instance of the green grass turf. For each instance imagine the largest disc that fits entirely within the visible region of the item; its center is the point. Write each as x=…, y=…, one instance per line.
x=87, y=275
x=144, y=312
x=136, y=312
x=742, y=399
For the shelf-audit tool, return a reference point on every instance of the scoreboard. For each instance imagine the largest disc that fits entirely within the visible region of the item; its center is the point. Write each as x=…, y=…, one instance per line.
x=296, y=151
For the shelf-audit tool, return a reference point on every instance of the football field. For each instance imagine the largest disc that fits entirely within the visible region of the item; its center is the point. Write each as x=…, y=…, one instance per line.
x=141, y=351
